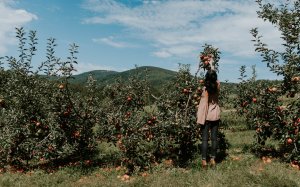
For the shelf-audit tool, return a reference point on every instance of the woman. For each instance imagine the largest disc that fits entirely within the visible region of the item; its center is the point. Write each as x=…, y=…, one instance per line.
x=208, y=115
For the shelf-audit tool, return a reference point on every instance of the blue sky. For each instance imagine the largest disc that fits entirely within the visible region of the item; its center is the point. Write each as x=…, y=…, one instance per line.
x=118, y=34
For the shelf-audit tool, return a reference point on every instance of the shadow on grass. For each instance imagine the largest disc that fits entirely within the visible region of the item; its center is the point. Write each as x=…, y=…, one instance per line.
x=193, y=160
x=84, y=162
x=261, y=151
x=107, y=155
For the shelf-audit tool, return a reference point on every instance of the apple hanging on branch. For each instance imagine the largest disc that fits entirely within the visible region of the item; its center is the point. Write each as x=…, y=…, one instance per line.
x=209, y=58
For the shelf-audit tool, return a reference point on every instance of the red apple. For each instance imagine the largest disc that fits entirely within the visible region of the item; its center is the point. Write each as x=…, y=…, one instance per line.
x=289, y=140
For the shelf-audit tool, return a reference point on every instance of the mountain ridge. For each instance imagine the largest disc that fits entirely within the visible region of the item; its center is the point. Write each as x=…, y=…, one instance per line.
x=108, y=76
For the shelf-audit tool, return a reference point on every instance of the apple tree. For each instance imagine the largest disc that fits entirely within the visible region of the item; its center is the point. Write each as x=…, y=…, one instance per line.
x=286, y=63
x=41, y=119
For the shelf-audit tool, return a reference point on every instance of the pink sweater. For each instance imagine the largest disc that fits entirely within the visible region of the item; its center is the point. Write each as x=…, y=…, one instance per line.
x=208, y=108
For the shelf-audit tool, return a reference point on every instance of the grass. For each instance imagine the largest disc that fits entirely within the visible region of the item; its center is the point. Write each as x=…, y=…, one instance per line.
x=240, y=168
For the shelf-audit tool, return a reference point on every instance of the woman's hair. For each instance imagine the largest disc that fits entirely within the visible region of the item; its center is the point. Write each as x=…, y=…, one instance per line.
x=211, y=84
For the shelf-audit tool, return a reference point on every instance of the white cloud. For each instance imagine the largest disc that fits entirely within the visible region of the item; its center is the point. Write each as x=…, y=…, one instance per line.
x=11, y=18
x=162, y=54
x=99, y=20
x=227, y=61
x=180, y=50
x=180, y=28
x=111, y=42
